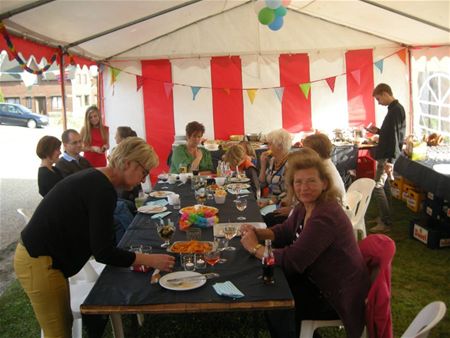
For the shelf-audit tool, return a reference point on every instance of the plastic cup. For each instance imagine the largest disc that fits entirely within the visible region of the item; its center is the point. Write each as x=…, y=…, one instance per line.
x=188, y=261
x=139, y=201
x=220, y=180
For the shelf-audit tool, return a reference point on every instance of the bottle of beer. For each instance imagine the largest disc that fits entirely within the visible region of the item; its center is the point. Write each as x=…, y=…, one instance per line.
x=268, y=262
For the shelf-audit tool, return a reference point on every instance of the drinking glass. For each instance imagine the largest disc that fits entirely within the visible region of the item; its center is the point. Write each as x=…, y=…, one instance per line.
x=212, y=257
x=230, y=231
x=182, y=168
x=165, y=231
x=188, y=261
x=241, y=205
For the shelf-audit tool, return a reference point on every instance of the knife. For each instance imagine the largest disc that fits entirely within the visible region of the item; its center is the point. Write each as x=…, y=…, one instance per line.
x=193, y=278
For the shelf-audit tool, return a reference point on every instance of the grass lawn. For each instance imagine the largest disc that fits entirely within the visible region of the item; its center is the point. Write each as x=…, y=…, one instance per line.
x=419, y=276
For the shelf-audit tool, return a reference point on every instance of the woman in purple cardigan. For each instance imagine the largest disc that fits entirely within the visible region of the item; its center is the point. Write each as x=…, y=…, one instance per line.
x=316, y=249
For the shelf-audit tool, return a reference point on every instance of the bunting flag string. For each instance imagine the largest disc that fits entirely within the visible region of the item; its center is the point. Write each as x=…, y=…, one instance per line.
x=279, y=91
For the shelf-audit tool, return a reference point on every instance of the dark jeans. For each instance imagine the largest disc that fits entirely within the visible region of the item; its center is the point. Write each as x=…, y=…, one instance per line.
x=310, y=304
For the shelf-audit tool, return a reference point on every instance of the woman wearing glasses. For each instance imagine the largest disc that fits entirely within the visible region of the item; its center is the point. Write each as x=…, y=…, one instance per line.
x=73, y=222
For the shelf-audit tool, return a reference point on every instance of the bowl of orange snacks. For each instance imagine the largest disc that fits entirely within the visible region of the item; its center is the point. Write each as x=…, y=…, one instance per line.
x=220, y=196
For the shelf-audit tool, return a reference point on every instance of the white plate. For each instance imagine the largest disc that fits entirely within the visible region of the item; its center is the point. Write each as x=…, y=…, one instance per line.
x=218, y=228
x=161, y=194
x=239, y=186
x=184, y=286
x=151, y=209
x=240, y=180
x=442, y=168
x=163, y=176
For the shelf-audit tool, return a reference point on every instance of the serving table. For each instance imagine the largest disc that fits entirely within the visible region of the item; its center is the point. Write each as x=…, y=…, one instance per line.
x=122, y=291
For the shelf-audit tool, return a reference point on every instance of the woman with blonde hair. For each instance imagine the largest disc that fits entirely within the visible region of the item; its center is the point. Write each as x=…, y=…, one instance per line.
x=316, y=249
x=95, y=138
x=237, y=157
x=73, y=222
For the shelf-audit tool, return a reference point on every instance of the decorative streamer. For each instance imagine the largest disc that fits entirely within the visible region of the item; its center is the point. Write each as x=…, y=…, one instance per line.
x=114, y=74
x=402, y=55
x=195, y=91
x=168, y=86
x=331, y=82
x=356, y=74
x=379, y=64
x=305, y=87
x=251, y=94
x=139, y=82
x=279, y=92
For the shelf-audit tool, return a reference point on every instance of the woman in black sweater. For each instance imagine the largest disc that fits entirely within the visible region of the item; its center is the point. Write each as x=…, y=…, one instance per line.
x=48, y=150
x=73, y=222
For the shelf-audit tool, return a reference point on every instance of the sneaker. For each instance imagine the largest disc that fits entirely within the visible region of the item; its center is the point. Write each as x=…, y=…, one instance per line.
x=380, y=228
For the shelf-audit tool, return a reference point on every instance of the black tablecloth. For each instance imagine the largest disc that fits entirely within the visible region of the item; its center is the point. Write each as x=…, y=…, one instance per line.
x=423, y=175
x=121, y=286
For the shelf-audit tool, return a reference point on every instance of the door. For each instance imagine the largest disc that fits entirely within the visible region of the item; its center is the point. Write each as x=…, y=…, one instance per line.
x=41, y=105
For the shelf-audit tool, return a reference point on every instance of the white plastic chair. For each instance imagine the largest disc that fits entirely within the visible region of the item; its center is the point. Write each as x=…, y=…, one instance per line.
x=425, y=320
x=351, y=203
x=364, y=186
x=309, y=326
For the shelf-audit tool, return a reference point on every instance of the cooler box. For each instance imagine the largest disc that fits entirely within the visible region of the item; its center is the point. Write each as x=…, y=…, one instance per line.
x=366, y=167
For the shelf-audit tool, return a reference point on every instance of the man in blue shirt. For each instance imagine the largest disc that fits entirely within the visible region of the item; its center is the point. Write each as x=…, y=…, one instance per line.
x=71, y=161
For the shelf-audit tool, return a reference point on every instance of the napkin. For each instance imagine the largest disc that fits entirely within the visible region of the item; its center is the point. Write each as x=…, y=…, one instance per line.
x=162, y=202
x=161, y=214
x=227, y=289
x=268, y=209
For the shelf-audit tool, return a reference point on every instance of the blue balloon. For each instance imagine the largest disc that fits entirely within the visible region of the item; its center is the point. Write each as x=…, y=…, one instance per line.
x=280, y=11
x=277, y=23
x=273, y=3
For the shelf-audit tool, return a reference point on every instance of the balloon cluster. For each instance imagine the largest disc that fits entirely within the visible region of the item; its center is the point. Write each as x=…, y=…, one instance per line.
x=273, y=14
x=201, y=219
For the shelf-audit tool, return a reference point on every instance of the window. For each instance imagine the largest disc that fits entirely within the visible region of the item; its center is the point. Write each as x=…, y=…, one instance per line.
x=434, y=100
x=86, y=100
x=56, y=102
x=15, y=100
x=29, y=102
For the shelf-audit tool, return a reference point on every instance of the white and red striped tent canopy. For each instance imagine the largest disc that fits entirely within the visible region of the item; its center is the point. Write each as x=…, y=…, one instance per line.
x=165, y=63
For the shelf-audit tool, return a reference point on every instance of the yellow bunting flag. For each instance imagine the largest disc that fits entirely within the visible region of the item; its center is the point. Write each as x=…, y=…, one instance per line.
x=251, y=94
x=114, y=74
x=305, y=87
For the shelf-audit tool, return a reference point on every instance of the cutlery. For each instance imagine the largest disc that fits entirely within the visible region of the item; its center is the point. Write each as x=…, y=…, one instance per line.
x=155, y=277
x=181, y=184
x=193, y=278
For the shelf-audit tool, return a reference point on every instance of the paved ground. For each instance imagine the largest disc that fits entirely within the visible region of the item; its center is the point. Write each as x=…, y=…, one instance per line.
x=18, y=187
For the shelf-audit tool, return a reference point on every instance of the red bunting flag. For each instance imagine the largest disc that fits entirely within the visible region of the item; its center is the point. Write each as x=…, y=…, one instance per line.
x=139, y=82
x=331, y=82
x=168, y=88
x=356, y=74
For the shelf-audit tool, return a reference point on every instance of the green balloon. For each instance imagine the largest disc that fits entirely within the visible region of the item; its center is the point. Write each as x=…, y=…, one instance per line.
x=266, y=15
x=281, y=11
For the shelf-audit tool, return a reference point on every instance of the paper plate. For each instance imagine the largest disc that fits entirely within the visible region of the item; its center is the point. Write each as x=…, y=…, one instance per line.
x=443, y=168
x=151, y=209
x=184, y=286
x=161, y=194
x=240, y=179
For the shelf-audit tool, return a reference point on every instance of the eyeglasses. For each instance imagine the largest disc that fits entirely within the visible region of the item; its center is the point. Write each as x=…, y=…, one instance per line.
x=75, y=142
x=146, y=172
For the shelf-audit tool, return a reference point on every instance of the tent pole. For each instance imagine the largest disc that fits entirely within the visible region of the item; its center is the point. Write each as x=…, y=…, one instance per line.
x=411, y=108
x=24, y=8
x=63, y=87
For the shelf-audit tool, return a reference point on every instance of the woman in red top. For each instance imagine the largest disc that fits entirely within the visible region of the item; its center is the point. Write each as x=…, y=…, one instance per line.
x=95, y=138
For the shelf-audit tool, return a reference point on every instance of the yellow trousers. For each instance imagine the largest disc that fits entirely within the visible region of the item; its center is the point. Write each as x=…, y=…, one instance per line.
x=48, y=291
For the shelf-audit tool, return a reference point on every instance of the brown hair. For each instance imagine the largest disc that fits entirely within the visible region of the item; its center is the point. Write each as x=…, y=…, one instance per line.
x=234, y=155
x=47, y=146
x=382, y=88
x=306, y=158
x=66, y=134
x=248, y=148
x=319, y=143
x=125, y=132
x=86, y=130
x=194, y=127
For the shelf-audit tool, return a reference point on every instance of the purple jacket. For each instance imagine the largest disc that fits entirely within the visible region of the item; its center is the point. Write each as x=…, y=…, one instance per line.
x=327, y=251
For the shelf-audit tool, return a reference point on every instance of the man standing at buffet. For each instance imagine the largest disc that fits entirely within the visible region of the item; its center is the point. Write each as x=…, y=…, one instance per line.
x=391, y=136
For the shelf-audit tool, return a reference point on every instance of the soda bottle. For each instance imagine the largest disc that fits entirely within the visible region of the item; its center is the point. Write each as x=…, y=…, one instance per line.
x=268, y=262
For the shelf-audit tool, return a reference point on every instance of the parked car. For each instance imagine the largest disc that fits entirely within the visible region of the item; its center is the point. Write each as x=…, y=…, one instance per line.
x=16, y=114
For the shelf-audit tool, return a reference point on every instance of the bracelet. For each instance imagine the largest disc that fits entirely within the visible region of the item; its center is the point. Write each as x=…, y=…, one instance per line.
x=253, y=253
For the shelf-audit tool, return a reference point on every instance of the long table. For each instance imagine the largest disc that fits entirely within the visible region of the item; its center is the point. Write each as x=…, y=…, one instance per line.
x=122, y=291
x=423, y=175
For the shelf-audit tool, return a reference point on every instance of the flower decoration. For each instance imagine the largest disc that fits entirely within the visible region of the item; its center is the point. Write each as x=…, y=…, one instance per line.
x=203, y=218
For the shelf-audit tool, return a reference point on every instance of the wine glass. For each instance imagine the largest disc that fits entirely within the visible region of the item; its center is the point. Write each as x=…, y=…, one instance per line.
x=165, y=231
x=200, y=195
x=241, y=205
x=230, y=231
x=212, y=257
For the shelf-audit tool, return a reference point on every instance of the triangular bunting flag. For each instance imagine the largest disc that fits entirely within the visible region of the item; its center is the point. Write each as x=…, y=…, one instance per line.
x=139, y=82
x=114, y=74
x=356, y=74
x=331, y=82
x=279, y=91
x=195, y=91
x=305, y=87
x=227, y=90
x=402, y=55
x=168, y=88
x=379, y=64
x=251, y=94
